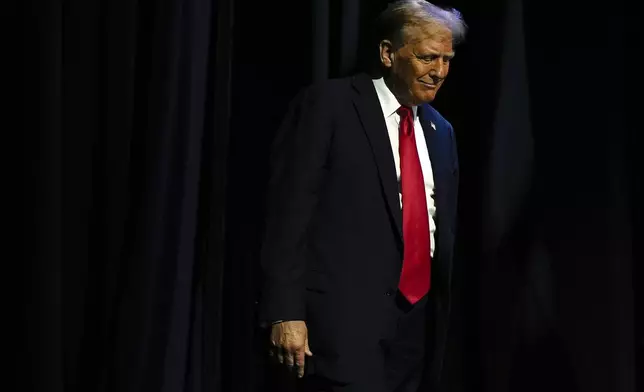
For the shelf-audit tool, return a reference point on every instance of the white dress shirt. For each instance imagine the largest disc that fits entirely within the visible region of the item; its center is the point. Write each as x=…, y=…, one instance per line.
x=390, y=105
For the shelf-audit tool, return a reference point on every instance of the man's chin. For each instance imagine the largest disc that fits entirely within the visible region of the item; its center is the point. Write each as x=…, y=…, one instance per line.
x=426, y=97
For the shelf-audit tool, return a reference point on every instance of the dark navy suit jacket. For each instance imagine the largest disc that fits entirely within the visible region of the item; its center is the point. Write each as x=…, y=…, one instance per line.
x=332, y=249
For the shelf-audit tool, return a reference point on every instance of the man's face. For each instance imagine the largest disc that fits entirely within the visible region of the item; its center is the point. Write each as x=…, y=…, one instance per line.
x=418, y=67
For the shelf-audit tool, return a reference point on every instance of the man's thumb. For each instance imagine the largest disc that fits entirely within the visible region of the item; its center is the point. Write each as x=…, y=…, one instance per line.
x=307, y=349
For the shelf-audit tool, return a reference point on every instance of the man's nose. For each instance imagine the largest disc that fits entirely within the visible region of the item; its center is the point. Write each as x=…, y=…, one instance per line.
x=438, y=70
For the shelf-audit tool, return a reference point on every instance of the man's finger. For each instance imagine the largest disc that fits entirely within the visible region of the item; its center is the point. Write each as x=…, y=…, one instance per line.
x=280, y=354
x=300, y=361
x=288, y=359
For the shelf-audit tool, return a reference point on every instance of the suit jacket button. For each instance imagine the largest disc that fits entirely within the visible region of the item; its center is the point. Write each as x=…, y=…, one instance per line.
x=388, y=293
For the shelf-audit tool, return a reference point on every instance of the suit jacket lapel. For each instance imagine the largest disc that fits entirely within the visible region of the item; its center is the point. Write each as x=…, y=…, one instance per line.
x=435, y=154
x=440, y=168
x=368, y=107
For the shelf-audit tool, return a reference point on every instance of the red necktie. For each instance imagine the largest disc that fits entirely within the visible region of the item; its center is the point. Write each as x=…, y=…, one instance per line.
x=415, y=277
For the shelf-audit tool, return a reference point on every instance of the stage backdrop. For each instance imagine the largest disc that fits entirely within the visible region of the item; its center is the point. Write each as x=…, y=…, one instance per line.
x=544, y=277
x=127, y=113
x=147, y=129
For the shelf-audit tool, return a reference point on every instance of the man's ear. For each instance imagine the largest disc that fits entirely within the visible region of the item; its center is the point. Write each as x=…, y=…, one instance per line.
x=386, y=53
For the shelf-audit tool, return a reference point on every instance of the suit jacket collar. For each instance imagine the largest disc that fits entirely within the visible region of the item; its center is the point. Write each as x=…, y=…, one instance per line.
x=388, y=100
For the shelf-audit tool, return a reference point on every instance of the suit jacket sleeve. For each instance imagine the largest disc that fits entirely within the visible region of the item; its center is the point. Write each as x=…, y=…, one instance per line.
x=298, y=167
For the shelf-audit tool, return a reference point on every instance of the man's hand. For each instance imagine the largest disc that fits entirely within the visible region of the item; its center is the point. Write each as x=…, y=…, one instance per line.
x=290, y=344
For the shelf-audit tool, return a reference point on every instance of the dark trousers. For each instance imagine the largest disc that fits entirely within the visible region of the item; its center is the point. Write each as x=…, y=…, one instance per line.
x=403, y=357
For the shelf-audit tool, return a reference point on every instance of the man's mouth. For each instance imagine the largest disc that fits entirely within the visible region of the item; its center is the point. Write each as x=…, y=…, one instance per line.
x=429, y=85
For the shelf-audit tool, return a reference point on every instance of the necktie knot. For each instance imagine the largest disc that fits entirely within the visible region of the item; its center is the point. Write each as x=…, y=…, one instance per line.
x=406, y=120
x=404, y=111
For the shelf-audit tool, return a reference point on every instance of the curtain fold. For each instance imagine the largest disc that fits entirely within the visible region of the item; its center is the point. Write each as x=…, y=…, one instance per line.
x=42, y=219
x=126, y=159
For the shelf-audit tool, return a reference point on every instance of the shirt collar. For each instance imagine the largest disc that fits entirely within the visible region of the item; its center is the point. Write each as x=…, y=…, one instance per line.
x=388, y=100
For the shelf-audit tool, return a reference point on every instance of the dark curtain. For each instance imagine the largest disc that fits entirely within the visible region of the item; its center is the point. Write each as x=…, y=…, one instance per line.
x=545, y=273
x=548, y=291
x=126, y=112
x=145, y=149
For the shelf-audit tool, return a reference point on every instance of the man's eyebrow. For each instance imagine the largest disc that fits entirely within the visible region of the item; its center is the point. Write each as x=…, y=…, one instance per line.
x=449, y=55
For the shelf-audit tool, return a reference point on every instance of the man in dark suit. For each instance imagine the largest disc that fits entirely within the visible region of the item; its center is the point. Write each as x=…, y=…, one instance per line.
x=359, y=234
